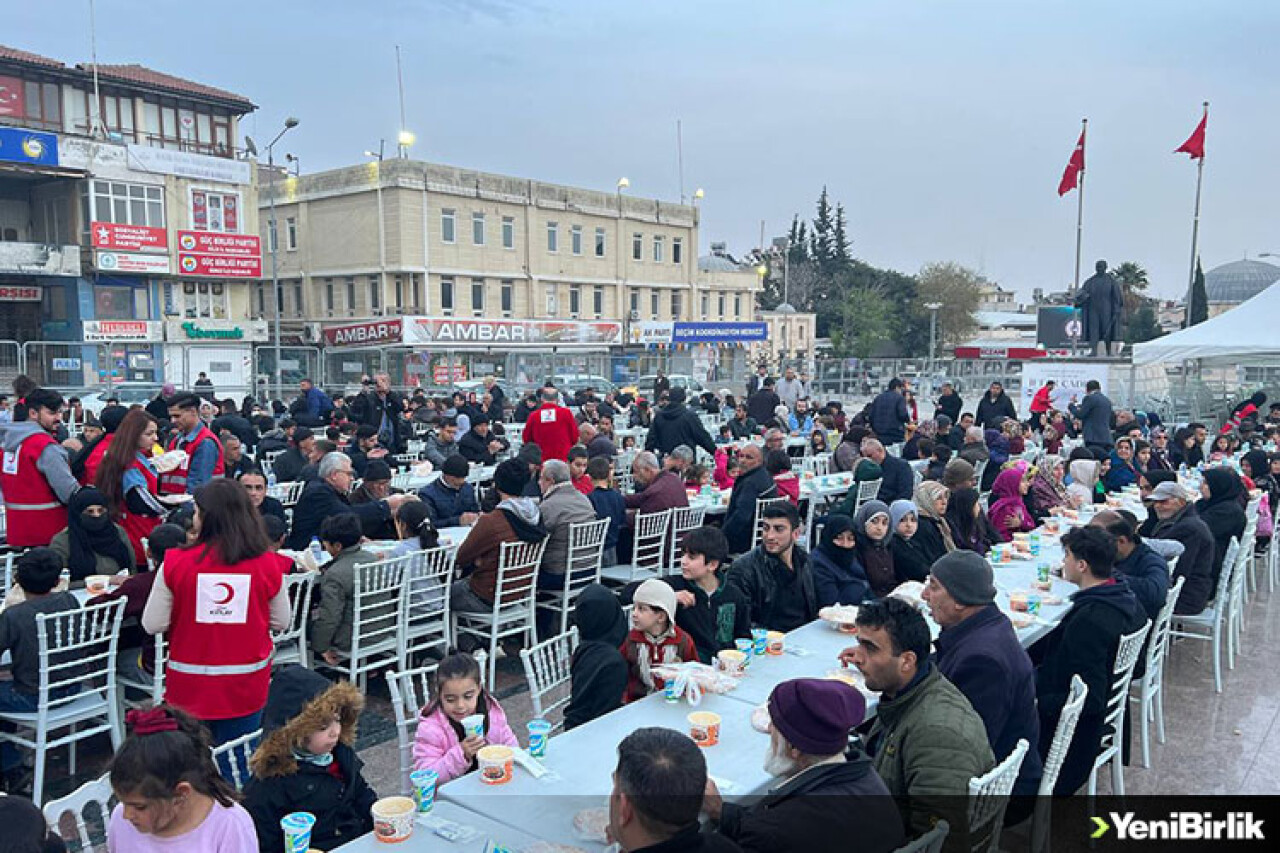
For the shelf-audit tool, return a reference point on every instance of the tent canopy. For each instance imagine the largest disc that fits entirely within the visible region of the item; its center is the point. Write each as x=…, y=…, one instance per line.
x=1246, y=331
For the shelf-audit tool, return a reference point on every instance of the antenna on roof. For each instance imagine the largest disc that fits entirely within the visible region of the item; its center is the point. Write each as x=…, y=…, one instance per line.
x=95, y=114
x=680, y=158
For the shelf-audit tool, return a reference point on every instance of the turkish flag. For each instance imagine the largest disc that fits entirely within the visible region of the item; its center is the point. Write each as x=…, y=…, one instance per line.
x=1075, y=166
x=1195, y=142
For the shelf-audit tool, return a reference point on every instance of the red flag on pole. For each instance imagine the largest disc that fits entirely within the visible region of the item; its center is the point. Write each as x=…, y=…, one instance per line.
x=1195, y=143
x=1071, y=175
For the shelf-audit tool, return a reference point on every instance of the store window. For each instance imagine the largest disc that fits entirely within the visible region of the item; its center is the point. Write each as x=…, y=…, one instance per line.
x=205, y=300
x=215, y=211
x=112, y=303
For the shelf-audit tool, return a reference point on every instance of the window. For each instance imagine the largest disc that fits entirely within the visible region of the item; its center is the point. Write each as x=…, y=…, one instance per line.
x=677, y=250
x=448, y=225
x=375, y=293
x=291, y=233
x=597, y=301
x=553, y=237
x=706, y=305
x=737, y=307
x=676, y=305
x=43, y=106
x=262, y=299
x=575, y=239
x=297, y=297
x=508, y=295
x=400, y=294
x=415, y=285
x=280, y=299
x=635, y=302
x=271, y=236
x=575, y=301
x=127, y=204
x=477, y=228
x=721, y=301
x=658, y=243
x=637, y=247
x=508, y=232
x=212, y=211
x=446, y=295
x=599, y=242
x=477, y=296
x=328, y=296
x=207, y=300
x=653, y=304
x=351, y=294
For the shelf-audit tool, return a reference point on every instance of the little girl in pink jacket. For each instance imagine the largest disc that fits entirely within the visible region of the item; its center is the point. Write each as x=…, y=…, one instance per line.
x=440, y=743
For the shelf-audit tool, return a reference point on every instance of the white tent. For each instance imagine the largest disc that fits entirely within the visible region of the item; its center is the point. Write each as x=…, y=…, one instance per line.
x=1247, y=331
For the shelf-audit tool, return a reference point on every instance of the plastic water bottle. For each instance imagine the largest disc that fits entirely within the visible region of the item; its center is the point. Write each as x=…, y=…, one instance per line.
x=317, y=552
x=64, y=579
x=271, y=479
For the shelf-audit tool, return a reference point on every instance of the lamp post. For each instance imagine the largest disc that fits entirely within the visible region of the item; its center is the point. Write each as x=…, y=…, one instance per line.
x=933, y=333
x=623, y=184
x=289, y=124
x=382, y=239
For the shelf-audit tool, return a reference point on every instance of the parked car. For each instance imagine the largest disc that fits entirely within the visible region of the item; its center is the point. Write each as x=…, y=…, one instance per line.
x=571, y=383
x=126, y=393
x=691, y=386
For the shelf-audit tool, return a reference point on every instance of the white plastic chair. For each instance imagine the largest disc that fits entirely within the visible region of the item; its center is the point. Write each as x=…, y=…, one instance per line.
x=1213, y=619
x=153, y=688
x=582, y=568
x=683, y=519
x=646, y=549
x=291, y=643
x=546, y=669
x=286, y=493
x=424, y=603
x=867, y=491
x=375, y=631
x=758, y=527
x=234, y=756
x=1237, y=595
x=931, y=842
x=402, y=480
x=1148, y=688
x=406, y=459
x=77, y=689
x=989, y=796
x=1052, y=766
x=410, y=693
x=1110, y=750
x=93, y=793
x=8, y=573
x=514, y=604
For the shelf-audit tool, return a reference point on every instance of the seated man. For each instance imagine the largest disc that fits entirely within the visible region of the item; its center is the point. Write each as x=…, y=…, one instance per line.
x=443, y=443
x=365, y=449
x=562, y=506
x=809, y=753
x=479, y=445
x=776, y=577
x=1178, y=520
x=753, y=482
x=926, y=740
x=334, y=620
x=450, y=499
x=1146, y=571
x=662, y=489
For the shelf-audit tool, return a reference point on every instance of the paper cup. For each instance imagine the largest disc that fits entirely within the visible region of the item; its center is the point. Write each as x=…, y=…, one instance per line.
x=747, y=647
x=473, y=726
x=704, y=728
x=495, y=764
x=1018, y=601
x=775, y=642
x=97, y=584
x=731, y=662
x=393, y=819
x=297, y=831
x=424, y=788
x=760, y=639
x=539, y=731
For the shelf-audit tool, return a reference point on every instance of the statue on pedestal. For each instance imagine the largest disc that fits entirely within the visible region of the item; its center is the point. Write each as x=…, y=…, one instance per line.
x=1101, y=302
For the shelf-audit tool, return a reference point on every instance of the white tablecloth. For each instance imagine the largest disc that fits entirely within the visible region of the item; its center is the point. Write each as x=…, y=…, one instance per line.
x=424, y=839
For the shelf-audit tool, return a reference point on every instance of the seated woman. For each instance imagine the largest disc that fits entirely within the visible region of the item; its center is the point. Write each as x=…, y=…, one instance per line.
x=969, y=526
x=1124, y=468
x=1008, y=514
x=91, y=543
x=1048, y=491
x=818, y=442
x=1084, y=478
x=911, y=559
x=838, y=577
x=933, y=534
x=871, y=527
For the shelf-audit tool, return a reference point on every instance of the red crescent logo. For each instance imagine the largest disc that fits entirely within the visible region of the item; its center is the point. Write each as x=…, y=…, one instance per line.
x=231, y=593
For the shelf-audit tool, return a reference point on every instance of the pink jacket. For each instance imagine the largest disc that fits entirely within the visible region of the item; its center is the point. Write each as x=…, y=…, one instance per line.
x=436, y=746
x=721, y=473
x=788, y=486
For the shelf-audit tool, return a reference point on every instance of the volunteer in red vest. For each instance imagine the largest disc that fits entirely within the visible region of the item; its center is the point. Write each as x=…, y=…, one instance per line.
x=552, y=427
x=84, y=465
x=35, y=476
x=204, y=452
x=1040, y=405
x=219, y=599
x=129, y=481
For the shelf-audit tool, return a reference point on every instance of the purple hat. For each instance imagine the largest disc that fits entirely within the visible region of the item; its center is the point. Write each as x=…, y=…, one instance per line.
x=816, y=714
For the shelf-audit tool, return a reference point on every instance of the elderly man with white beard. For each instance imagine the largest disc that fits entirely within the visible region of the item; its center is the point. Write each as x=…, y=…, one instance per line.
x=828, y=788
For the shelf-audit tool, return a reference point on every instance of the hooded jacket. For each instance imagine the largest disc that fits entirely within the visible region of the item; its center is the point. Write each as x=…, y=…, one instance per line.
x=874, y=555
x=300, y=704
x=513, y=520
x=1222, y=514
x=675, y=424
x=1084, y=643
x=713, y=621
x=597, y=670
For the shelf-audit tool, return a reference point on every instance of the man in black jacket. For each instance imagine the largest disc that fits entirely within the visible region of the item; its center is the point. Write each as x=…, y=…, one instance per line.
x=753, y=482
x=994, y=406
x=382, y=408
x=897, y=479
x=761, y=404
x=479, y=444
x=238, y=426
x=888, y=413
x=1179, y=521
x=1137, y=562
x=775, y=577
x=288, y=465
x=365, y=449
x=327, y=496
x=949, y=403
x=1094, y=413
x=675, y=425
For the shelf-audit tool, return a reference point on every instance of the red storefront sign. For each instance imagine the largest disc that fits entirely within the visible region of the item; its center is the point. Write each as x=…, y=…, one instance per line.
x=128, y=238
x=443, y=374
x=363, y=334
x=1014, y=353
x=20, y=293
x=210, y=254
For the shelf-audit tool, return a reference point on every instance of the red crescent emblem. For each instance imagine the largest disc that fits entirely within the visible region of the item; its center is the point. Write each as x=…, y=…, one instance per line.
x=231, y=593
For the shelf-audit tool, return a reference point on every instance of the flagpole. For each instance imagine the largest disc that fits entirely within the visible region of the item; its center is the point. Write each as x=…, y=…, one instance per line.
x=1195, y=224
x=1075, y=281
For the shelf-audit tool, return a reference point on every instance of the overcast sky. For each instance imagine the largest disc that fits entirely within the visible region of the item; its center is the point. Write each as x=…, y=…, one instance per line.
x=942, y=126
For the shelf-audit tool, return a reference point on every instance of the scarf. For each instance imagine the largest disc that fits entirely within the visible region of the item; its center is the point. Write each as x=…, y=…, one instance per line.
x=1044, y=475
x=92, y=536
x=310, y=758
x=667, y=653
x=841, y=557
x=925, y=495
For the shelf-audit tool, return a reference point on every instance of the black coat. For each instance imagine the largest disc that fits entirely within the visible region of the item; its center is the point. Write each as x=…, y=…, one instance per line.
x=950, y=406
x=991, y=411
x=1225, y=519
x=761, y=404
x=929, y=538
x=1196, y=562
x=897, y=480
x=341, y=808
x=676, y=424
x=368, y=409
x=911, y=560
x=781, y=599
x=597, y=671
x=1148, y=576
x=318, y=501
x=475, y=447
x=288, y=465
x=741, y=513
x=888, y=416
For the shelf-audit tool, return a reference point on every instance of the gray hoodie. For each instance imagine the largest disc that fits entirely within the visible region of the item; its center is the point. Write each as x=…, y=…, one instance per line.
x=53, y=462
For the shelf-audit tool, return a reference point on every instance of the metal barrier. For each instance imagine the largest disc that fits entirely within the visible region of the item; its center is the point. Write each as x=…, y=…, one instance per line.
x=12, y=361
x=296, y=363
x=68, y=365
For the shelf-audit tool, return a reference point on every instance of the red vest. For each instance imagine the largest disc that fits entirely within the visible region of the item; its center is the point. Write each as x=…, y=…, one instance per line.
x=220, y=645
x=94, y=459
x=175, y=482
x=34, y=513
x=139, y=527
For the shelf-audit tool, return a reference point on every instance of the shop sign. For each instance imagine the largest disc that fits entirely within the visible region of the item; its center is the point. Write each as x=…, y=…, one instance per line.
x=128, y=238
x=18, y=145
x=363, y=334
x=66, y=364
x=196, y=333
x=480, y=332
x=185, y=164
x=649, y=333
x=216, y=330
x=122, y=330
x=129, y=262
x=443, y=374
x=719, y=333
x=20, y=293
x=210, y=254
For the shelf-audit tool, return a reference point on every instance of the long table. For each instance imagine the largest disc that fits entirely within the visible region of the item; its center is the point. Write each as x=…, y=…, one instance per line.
x=488, y=834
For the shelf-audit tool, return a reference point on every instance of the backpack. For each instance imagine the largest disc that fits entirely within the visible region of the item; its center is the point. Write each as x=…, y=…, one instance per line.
x=1266, y=521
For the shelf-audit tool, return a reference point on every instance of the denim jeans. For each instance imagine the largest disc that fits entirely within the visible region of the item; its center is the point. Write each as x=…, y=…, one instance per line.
x=221, y=731
x=11, y=699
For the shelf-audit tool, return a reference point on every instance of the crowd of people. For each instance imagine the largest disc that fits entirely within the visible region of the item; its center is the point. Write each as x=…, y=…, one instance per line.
x=172, y=501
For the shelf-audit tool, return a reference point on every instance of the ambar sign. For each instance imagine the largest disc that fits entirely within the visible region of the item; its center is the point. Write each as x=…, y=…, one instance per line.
x=362, y=334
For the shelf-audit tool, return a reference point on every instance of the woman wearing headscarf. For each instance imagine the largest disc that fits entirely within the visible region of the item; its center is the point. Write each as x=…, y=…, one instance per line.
x=1220, y=508
x=1084, y=477
x=1008, y=513
x=1185, y=450
x=926, y=430
x=910, y=560
x=969, y=526
x=1256, y=468
x=92, y=544
x=933, y=534
x=1047, y=489
x=838, y=577
x=871, y=527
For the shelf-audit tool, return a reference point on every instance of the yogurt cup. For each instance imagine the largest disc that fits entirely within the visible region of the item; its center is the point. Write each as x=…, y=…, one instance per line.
x=1018, y=601
x=704, y=728
x=98, y=584
x=731, y=662
x=393, y=819
x=760, y=640
x=473, y=725
x=424, y=788
x=775, y=640
x=671, y=690
x=747, y=647
x=539, y=731
x=297, y=831
x=496, y=764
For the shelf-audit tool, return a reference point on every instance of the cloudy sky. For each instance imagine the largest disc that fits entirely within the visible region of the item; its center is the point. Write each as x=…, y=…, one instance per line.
x=943, y=127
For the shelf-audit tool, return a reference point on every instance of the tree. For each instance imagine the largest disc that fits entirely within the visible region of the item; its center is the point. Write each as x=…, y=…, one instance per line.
x=1133, y=283
x=867, y=322
x=822, y=236
x=958, y=289
x=1143, y=326
x=1198, y=307
x=840, y=244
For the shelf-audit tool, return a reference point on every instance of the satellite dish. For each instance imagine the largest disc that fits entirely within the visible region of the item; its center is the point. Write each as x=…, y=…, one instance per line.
x=250, y=146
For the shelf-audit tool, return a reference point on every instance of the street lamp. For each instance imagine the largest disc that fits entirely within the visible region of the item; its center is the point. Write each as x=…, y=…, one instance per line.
x=619, y=268
x=295, y=164
x=933, y=308
x=289, y=124
x=382, y=238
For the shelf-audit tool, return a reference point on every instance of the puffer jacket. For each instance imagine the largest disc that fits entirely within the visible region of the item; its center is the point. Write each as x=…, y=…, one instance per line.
x=300, y=704
x=927, y=744
x=436, y=745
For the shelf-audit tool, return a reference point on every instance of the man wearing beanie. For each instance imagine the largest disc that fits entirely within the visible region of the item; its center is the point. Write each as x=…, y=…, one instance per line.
x=675, y=424
x=809, y=751
x=450, y=499
x=979, y=653
x=478, y=444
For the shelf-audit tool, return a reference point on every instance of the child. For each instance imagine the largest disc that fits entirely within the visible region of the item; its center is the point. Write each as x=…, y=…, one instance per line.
x=608, y=503
x=726, y=470
x=335, y=615
x=171, y=794
x=578, y=469
x=628, y=442
x=277, y=531
x=696, y=477
x=306, y=761
x=713, y=614
x=597, y=671
x=778, y=464
x=654, y=639
x=26, y=829
x=414, y=529
x=441, y=744
x=725, y=436
x=37, y=571
x=910, y=560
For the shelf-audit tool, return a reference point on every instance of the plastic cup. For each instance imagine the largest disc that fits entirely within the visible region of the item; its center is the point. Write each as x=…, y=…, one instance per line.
x=473, y=725
x=424, y=788
x=731, y=662
x=704, y=728
x=539, y=731
x=760, y=640
x=495, y=764
x=671, y=690
x=775, y=641
x=747, y=647
x=297, y=831
x=393, y=819
x=1033, y=604
x=1018, y=601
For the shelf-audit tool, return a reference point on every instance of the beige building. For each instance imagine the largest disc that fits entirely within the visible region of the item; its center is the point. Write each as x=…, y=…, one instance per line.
x=791, y=337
